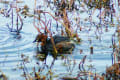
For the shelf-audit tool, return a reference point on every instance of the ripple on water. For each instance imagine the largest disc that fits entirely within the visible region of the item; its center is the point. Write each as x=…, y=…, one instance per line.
x=11, y=47
x=10, y=44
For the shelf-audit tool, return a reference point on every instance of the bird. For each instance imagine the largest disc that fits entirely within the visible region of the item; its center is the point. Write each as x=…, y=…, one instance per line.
x=62, y=43
x=41, y=38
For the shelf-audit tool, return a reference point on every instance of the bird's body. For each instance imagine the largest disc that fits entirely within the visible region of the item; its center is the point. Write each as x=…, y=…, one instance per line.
x=62, y=44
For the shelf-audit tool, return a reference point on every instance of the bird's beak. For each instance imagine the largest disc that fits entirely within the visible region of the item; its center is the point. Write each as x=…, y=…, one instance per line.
x=34, y=41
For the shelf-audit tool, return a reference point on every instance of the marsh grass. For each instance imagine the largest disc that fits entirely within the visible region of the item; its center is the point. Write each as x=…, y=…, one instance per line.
x=62, y=13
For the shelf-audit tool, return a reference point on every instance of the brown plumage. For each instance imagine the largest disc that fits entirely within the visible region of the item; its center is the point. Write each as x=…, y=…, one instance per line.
x=62, y=44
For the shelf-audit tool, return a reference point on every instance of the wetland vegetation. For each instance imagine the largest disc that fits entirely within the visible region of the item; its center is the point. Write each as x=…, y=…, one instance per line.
x=59, y=40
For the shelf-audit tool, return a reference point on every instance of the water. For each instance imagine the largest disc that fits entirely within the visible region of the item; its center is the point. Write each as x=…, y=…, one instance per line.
x=12, y=46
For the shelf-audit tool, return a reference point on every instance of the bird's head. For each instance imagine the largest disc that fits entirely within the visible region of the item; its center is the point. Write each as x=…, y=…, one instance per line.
x=41, y=38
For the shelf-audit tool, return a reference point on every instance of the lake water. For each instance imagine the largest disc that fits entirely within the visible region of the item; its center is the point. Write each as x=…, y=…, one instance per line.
x=13, y=46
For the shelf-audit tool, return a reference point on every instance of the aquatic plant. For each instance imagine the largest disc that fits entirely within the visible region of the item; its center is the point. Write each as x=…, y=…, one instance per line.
x=9, y=13
x=71, y=28
x=113, y=72
x=18, y=29
x=3, y=76
x=62, y=9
